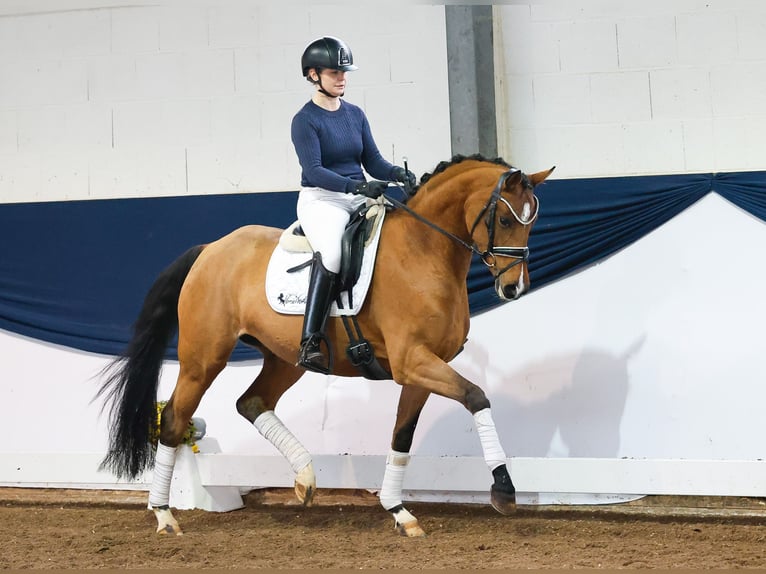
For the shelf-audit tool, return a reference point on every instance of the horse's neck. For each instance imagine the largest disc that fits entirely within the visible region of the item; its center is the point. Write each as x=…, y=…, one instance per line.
x=449, y=217
x=446, y=212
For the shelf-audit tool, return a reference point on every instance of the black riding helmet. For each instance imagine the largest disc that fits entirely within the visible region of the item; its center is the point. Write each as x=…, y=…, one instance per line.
x=327, y=52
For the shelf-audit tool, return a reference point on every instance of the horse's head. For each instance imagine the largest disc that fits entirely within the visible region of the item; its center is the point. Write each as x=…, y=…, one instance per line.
x=501, y=229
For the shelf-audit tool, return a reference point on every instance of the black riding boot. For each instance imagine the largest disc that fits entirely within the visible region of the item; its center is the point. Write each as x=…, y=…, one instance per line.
x=320, y=296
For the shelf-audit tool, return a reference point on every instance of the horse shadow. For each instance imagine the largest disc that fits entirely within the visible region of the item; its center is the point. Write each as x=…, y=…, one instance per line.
x=568, y=405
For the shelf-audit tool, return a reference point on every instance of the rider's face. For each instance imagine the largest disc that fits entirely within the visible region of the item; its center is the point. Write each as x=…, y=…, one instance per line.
x=333, y=81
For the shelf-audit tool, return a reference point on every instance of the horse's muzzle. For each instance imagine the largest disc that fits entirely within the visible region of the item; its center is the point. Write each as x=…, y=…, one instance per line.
x=511, y=291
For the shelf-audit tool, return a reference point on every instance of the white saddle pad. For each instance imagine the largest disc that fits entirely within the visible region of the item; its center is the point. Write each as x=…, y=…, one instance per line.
x=287, y=292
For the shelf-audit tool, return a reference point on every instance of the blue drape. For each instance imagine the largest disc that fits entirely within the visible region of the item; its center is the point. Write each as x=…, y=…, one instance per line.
x=75, y=273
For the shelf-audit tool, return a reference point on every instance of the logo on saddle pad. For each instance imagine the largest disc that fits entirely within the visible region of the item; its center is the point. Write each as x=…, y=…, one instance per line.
x=287, y=276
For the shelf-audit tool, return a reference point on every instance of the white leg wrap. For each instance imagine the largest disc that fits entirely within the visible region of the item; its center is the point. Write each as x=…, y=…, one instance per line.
x=164, y=461
x=490, y=442
x=391, y=490
x=277, y=434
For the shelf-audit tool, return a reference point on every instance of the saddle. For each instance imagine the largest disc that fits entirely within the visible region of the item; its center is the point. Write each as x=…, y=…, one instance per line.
x=360, y=231
x=355, y=237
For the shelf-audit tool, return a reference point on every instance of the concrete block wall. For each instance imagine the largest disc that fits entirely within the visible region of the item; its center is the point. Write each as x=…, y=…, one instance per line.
x=99, y=99
x=622, y=88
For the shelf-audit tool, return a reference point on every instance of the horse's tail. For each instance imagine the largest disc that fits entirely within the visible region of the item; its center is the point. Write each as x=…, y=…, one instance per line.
x=133, y=377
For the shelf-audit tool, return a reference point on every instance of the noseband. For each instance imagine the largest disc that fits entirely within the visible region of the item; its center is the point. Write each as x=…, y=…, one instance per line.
x=488, y=256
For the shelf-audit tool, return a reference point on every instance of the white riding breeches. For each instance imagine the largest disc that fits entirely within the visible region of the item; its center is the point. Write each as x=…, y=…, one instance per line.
x=323, y=215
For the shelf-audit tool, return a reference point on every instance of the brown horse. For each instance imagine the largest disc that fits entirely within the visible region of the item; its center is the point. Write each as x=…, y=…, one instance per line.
x=416, y=318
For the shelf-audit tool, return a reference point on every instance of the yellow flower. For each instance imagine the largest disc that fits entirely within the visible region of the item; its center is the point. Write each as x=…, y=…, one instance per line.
x=188, y=437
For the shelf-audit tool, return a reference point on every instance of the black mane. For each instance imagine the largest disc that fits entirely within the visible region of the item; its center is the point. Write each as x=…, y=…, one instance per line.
x=460, y=158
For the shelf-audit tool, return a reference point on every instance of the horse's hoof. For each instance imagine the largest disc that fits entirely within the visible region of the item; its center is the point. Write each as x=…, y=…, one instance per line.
x=306, y=485
x=503, y=502
x=166, y=523
x=169, y=529
x=305, y=494
x=410, y=529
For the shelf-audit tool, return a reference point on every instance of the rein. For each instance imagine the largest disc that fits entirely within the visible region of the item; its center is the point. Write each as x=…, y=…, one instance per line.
x=488, y=256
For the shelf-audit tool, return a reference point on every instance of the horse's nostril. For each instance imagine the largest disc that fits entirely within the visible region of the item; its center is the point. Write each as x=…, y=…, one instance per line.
x=513, y=291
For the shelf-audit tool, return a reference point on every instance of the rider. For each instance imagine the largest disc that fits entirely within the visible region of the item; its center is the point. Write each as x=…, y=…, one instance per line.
x=333, y=141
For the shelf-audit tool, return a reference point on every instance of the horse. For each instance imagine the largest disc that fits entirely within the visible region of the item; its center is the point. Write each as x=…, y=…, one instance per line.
x=415, y=317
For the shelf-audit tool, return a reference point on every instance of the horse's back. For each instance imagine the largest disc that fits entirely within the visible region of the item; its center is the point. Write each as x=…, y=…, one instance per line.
x=231, y=264
x=246, y=242
x=250, y=235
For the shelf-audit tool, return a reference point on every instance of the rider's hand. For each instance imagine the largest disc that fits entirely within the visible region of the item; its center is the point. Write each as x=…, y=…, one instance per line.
x=404, y=176
x=372, y=189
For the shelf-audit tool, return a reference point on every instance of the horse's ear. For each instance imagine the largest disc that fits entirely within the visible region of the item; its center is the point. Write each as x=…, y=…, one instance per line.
x=540, y=176
x=513, y=180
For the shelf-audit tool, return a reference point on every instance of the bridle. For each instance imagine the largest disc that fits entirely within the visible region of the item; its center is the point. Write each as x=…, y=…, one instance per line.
x=492, y=252
x=490, y=255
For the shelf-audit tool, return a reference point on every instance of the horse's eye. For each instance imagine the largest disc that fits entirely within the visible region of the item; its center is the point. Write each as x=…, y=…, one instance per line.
x=505, y=222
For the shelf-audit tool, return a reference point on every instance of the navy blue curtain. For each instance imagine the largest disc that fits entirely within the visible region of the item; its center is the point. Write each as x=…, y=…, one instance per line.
x=75, y=273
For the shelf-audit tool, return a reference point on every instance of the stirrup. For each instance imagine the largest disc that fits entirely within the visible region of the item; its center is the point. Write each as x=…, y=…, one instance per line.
x=311, y=357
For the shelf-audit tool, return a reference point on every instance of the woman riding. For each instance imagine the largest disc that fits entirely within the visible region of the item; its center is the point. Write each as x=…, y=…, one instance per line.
x=333, y=141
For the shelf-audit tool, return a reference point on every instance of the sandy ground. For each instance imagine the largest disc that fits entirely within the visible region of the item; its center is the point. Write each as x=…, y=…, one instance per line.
x=75, y=529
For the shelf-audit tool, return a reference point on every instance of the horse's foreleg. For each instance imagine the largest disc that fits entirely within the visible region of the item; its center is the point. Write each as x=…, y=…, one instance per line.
x=431, y=373
x=411, y=402
x=257, y=405
x=502, y=493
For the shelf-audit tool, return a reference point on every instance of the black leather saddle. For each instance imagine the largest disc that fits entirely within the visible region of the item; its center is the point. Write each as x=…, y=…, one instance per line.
x=355, y=237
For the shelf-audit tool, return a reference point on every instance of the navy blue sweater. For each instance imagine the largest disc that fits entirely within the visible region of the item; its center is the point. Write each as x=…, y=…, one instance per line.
x=332, y=147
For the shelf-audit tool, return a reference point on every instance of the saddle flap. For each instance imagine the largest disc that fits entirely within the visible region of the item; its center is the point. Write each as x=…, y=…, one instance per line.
x=288, y=271
x=355, y=238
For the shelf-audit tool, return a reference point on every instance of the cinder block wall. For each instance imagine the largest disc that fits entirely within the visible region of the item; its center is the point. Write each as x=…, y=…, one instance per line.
x=99, y=100
x=621, y=88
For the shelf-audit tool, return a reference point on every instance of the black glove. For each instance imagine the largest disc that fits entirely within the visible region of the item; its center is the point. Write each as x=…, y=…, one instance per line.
x=404, y=176
x=372, y=189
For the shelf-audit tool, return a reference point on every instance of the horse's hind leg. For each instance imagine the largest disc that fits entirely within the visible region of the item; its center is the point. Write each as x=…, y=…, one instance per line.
x=411, y=402
x=257, y=405
x=195, y=376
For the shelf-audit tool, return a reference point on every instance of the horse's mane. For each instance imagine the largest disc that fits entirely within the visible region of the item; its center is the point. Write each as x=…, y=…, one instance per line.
x=458, y=158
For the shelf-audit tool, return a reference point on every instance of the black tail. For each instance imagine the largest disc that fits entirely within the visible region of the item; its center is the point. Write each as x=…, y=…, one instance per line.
x=132, y=379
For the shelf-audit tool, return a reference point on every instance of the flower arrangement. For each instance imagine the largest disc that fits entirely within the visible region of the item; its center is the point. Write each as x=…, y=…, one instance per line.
x=188, y=437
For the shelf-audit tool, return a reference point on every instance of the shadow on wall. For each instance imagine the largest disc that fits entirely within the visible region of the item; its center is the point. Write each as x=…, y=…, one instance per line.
x=566, y=405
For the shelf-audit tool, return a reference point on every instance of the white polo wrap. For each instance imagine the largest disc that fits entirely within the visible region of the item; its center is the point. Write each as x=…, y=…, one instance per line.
x=391, y=489
x=164, y=461
x=494, y=454
x=272, y=429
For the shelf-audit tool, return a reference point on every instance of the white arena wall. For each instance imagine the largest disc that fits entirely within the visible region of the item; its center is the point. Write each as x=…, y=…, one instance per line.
x=640, y=375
